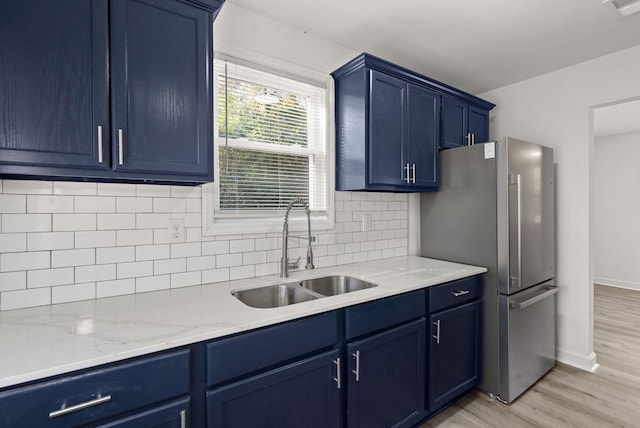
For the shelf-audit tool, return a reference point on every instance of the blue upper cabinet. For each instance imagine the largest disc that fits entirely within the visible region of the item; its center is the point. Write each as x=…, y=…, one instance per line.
x=463, y=123
x=390, y=123
x=107, y=90
x=387, y=129
x=54, y=85
x=161, y=107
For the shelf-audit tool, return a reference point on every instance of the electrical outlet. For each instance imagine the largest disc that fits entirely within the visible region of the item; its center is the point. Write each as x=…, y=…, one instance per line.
x=175, y=230
x=367, y=223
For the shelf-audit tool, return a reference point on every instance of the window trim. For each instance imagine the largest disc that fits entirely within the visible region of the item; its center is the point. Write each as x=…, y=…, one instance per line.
x=245, y=223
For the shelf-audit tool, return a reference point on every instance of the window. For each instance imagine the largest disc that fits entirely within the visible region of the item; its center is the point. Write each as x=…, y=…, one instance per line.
x=270, y=145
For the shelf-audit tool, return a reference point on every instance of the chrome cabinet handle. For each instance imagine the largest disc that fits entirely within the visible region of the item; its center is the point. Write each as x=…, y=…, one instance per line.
x=413, y=168
x=183, y=419
x=338, y=376
x=120, y=157
x=99, y=144
x=406, y=178
x=459, y=293
x=66, y=410
x=473, y=139
x=437, y=336
x=468, y=138
x=357, y=370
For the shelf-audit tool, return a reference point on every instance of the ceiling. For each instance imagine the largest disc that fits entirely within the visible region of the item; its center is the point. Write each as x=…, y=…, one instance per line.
x=470, y=44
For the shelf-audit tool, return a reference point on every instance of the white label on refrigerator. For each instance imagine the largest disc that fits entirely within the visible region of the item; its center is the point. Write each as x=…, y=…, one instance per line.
x=490, y=150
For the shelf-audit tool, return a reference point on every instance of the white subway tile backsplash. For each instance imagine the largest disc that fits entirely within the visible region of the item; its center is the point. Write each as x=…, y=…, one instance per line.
x=153, y=283
x=28, y=187
x=73, y=293
x=95, y=273
x=25, y=298
x=103, y=238
x=161, y=267
x=115, y=255
x=134, y=237
x=186, y=279
x=241, y=272
x=78, y=241
x=116, y=221
x=191, y=249
x=116, y=189
x=152, y=221
x=49, y=277
x=215, y=247
x=153, y=252
x=64, y=258
x=215, y=275
x=116, y=288
x=95, y=204
x=134, y=205
x=13, y=281
x=74, y=222
x=201, y=263
x=26, y=223
x=13, y=204
x=13, y=242
x=169, y=205
x=134, y=269
x=74, y=188
x=25, y=261
x=49, y=241
x=153, y=190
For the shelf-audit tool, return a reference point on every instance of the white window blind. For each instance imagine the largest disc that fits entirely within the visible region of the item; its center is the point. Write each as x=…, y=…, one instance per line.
x=270, y=144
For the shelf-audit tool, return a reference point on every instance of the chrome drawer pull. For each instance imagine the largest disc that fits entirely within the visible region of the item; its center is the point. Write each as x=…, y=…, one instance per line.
x=66, y=410
x=357, y=370
x=437, y=336
x=183, y=419
x=338, y=377
x=459, y=293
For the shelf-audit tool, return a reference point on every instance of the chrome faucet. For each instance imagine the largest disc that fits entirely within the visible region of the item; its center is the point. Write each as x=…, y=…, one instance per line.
x=284, y=261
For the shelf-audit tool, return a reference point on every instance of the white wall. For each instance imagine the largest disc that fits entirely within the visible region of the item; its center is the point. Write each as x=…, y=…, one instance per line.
x=616, y=204
x=556, y=110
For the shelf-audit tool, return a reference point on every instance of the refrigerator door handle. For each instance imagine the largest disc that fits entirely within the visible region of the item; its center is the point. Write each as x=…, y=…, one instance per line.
x=517, y=180
x=550, y=291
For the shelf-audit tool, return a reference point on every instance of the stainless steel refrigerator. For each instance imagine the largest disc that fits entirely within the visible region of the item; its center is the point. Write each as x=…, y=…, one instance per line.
x=495, y=208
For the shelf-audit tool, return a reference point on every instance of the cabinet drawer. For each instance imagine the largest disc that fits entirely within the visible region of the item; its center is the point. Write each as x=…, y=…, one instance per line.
x=96, y=394
x=249, y=352
x=454, y=293
x=384, y=313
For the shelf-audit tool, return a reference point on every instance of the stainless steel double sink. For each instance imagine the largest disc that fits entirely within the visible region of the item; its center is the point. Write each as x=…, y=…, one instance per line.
x=274, y=296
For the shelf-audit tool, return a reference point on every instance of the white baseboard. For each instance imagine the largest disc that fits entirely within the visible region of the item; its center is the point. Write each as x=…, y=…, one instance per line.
x=618, y=283
x=584, y=362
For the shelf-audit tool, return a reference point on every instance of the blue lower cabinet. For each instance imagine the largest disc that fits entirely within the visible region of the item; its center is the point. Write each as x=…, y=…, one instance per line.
x=386, y=381
x=301, y=394
x=454, y=350
x=172, y=415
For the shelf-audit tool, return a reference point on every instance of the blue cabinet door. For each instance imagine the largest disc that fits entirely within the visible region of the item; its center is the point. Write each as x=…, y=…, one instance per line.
x=161, y=121
x=386, y=379
x=454, y=122
x=454, y=350
x=422, y=137
x=53, y=85
x=387, y=132
x=302, y=394
x=479, y=124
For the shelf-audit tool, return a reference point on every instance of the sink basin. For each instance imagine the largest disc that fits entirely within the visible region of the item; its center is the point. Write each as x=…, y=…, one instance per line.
x=273, y=296
x=332, y=285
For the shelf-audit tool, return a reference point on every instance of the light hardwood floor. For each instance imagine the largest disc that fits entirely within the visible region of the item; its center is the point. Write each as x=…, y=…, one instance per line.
x=566, y=396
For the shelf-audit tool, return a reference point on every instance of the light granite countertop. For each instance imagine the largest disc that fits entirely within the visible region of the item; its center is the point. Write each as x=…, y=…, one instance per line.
x=45, y=341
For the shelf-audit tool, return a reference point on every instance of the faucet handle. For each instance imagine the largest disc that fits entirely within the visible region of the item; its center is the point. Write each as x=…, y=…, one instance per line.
x=295, y=265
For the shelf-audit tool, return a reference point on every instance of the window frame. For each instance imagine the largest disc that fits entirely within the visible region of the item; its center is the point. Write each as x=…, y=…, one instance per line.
x=262, y=221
